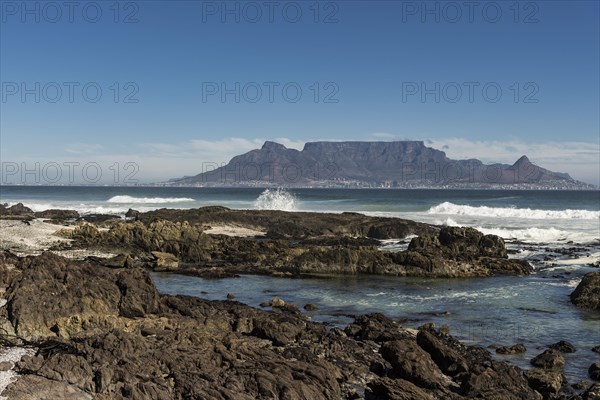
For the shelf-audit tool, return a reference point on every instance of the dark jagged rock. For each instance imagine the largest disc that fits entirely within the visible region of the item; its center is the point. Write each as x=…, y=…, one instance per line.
x=594, y=371
x=59, y=215
x=397, y=389
x=498, y=381
x=15, y=209
x=99, y=218
x=587, y=293
x=375, y=327
x=456, y=251
x=548, y=383
x=563, y=346
x=446, y=358
x=70, y=304
x=410, y=362
x=518, y=348
x=105, y=333
x=131, y=213
x=301, y=243
x=297, y=225
x=592, y=393
x=118, y=261
x=549, y=359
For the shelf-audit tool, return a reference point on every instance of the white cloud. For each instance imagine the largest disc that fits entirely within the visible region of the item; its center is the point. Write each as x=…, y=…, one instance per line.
x=84, y=148
x=218, y=151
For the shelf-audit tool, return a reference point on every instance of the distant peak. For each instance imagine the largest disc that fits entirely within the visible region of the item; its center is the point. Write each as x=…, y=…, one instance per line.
x=269, y=145
x=523, y=160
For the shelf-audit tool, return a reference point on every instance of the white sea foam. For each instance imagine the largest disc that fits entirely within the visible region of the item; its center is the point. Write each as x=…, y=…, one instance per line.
x=147, y=200
x=538, y=235
x=278, y=199
x=83, y=208
x=448, y=208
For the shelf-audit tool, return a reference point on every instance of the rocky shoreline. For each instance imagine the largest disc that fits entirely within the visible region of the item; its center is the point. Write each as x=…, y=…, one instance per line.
x=99, y=329
x=293, y=244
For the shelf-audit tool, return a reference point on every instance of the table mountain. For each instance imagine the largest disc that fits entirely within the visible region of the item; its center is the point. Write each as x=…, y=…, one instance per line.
x=371, y=164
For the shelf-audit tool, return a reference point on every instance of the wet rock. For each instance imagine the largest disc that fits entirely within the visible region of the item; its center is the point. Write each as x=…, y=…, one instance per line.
x=207, y=272
x=594, y=371
x=548, y=383
x=230, y=296
x=596, y=349
x=587, y=293
x=549, y=359
x=592, y=393
x=131, y=213
x=310, y=307
x=518, y=348
x=290, y=308
x=563, y=346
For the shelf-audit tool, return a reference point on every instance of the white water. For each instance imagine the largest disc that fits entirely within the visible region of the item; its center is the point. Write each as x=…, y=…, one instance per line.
x=447, y=208
x=278, y=199
x=147, y=200
x=538, y=235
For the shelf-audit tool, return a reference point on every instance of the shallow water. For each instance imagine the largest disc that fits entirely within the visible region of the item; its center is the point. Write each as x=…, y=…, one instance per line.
x=533, y=310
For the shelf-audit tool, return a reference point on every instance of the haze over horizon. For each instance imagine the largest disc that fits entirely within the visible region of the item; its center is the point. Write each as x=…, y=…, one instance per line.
x=185, y=82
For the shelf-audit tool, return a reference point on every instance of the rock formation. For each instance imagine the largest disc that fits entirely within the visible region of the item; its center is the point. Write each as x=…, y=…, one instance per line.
x=105, y=333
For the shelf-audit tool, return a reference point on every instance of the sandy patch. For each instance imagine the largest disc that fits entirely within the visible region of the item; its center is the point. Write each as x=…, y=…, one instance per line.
x=29, y=239
x=232, y=230
x=11, y=355
x=38, y=236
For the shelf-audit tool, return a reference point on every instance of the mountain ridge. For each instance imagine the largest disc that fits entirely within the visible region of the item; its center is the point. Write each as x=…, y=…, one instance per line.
x=371, y=164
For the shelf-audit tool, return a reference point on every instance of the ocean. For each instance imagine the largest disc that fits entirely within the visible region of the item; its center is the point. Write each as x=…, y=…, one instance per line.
x=558, y=232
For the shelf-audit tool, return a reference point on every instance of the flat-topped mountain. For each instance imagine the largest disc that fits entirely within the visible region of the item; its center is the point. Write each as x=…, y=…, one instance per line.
x=371, y=164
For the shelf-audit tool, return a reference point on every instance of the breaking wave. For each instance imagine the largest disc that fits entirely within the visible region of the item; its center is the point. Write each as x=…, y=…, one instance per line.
x=539, y=235
x=147, y=200
x=276, y=199
x=448, y=208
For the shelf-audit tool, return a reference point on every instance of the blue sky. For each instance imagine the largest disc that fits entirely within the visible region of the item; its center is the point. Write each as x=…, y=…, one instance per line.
x=170, y=71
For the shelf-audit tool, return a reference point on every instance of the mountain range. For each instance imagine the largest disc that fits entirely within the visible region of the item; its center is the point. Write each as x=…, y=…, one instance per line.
x=371, y=164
